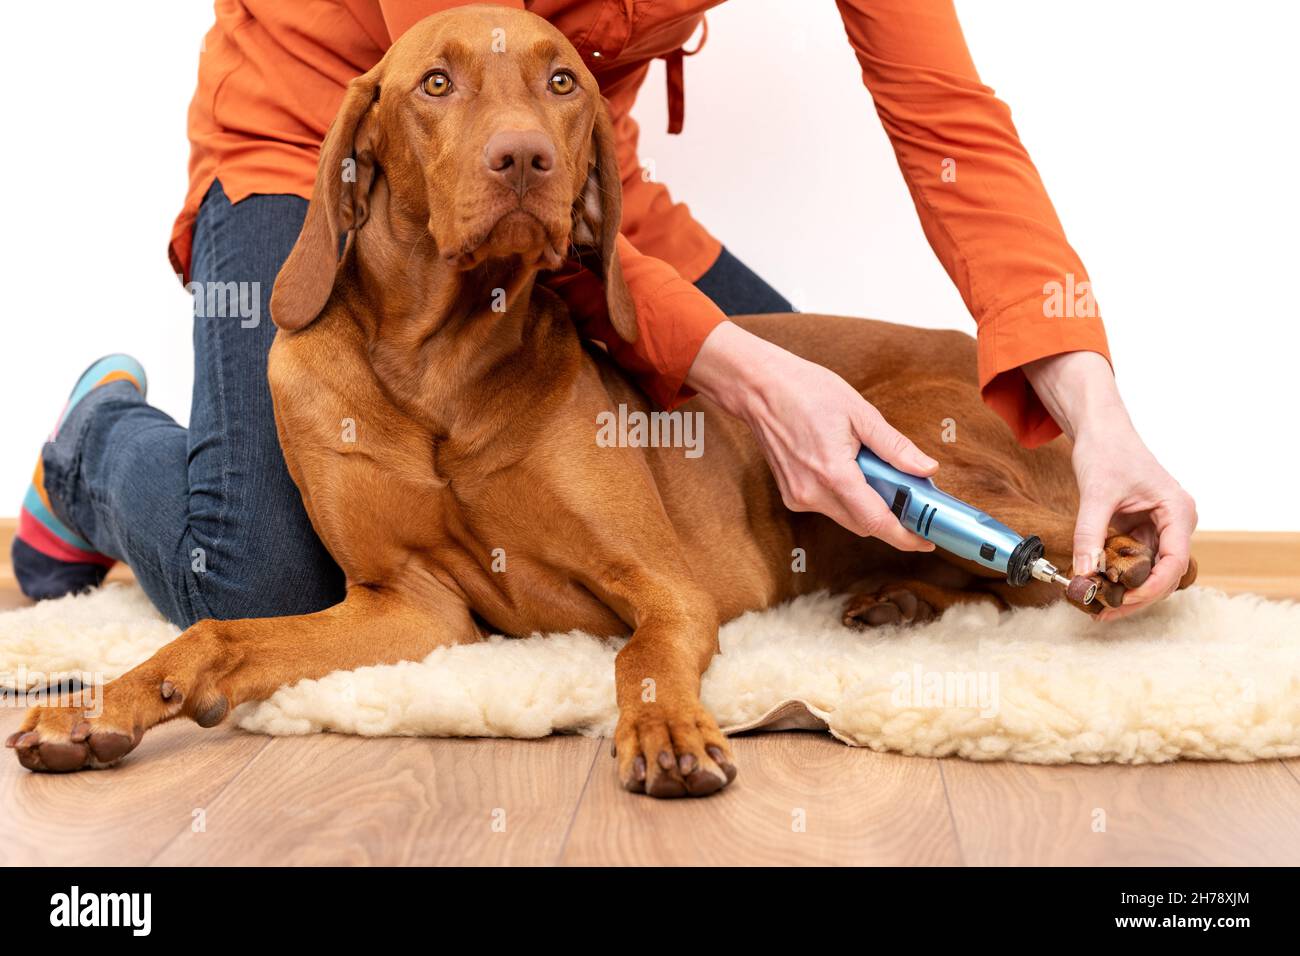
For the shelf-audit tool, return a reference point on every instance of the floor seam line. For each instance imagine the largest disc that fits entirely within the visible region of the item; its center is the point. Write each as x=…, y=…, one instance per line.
x=952, y=819
x=1286, y=765
x=582, y=795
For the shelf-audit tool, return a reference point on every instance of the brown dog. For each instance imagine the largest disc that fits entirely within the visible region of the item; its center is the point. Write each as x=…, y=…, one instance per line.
x=440, y=415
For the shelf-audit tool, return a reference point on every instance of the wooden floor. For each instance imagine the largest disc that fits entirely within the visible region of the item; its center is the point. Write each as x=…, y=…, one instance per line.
x=192, y=796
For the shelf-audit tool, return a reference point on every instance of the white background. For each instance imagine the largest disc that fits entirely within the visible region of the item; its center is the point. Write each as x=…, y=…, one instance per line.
x=1165, y=131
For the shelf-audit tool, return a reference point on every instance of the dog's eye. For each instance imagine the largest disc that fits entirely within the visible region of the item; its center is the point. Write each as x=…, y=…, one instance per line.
x=437, y=83
x=562, y=82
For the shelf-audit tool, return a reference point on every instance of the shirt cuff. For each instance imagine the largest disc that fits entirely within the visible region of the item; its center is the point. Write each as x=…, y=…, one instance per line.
x=1013, y=338
x=673, y=324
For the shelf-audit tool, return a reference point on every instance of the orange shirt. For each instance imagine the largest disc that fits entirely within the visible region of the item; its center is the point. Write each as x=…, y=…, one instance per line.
x=273, y=74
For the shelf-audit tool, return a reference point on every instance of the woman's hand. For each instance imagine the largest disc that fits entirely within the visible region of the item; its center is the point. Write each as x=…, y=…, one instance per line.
x=1121, y=484
x=810, y=424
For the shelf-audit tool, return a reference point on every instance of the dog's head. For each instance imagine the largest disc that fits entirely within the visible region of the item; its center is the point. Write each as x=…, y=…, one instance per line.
x=482, y=126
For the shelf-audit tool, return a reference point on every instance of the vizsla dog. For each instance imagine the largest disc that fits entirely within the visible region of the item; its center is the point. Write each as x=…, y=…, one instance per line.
x=438, y=411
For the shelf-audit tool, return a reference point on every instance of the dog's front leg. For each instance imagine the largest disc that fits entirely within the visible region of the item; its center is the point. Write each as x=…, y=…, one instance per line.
x=216, y=665
x=667, y=744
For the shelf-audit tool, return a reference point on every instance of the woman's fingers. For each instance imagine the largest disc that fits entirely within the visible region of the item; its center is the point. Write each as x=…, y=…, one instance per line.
x=843, y=495
x=1090, y=528
x=1174, y=522
x=889, y=443
x=867, y=513
x=871, y=513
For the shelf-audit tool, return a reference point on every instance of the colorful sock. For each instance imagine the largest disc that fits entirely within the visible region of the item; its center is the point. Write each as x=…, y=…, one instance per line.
x=50, y=559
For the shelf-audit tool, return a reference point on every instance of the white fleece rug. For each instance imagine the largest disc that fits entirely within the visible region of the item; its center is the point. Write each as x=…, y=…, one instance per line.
x=1202, y=676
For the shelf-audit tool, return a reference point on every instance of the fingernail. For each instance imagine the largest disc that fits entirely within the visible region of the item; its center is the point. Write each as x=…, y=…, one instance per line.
x=1083, y=565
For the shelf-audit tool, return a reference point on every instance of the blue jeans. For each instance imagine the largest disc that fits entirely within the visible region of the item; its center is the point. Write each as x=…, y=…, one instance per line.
x=208, y=517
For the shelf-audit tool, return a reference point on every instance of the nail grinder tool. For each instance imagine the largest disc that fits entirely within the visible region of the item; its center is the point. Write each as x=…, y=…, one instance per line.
x=965, y=531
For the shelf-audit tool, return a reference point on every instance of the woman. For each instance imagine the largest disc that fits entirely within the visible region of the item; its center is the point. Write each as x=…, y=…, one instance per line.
x=208, y=518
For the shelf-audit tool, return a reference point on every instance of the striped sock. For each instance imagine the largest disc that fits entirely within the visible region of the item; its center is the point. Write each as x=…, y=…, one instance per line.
x=49, y=558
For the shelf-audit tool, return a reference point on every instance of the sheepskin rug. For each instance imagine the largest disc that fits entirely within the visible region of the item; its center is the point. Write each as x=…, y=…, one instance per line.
x=1202, y=676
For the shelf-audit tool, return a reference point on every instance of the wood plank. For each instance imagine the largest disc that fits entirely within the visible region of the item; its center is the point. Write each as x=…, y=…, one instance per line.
x=340, y=800
x=1261, y=554
x=858, y=807
x=118, y=817
x=1273, y=588
x=1249, y=562
x=1190, y=813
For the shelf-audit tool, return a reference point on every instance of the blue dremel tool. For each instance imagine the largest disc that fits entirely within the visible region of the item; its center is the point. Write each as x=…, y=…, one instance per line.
x=960, y=529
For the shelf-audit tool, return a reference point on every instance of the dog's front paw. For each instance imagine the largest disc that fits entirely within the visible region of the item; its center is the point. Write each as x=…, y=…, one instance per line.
x=672, y=751
x=63, y=739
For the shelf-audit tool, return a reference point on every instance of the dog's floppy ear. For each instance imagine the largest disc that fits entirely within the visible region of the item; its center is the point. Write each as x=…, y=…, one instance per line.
x=597, y=216
x=340, y=203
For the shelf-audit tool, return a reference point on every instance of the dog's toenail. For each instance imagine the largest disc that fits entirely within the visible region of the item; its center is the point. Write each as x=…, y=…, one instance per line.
x=613, y=749
x=26, y=740
x=13, y=738
x=81, y=731
x=686, y=764
x=167, y=689
x=665, y=760
x=638, y=767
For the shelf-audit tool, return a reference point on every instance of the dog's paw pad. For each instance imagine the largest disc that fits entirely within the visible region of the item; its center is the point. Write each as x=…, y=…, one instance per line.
x=890, y=605
x=62, y=739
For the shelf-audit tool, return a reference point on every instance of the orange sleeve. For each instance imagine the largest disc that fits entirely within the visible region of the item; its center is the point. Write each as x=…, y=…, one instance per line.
x=673, y=319
x=980, y=199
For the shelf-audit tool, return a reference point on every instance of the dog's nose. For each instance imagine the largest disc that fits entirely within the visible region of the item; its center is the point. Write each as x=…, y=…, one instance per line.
x=521, y=157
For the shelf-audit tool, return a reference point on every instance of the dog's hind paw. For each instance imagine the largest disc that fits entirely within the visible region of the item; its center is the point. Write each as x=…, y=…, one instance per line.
x=894, y=604
x=1126, y=563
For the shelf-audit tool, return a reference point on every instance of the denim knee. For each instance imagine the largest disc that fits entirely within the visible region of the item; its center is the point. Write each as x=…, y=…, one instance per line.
x=268, y=574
